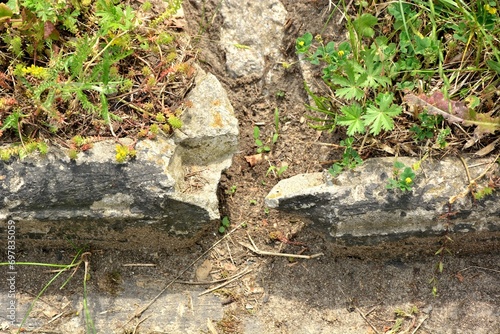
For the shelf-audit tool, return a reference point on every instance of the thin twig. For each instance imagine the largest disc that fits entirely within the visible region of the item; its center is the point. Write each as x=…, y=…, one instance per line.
x=256, y=250
x=420, y=324
x=367, y=321
x=141, y=321
x=477, y=267
x=229, y=252
x=210, y=282
x=473, y=182
x=237, y=276
x=139, y=265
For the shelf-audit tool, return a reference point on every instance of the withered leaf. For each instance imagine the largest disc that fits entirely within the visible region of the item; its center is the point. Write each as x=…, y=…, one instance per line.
x=436, y=104
x=253, y=159
x=456, y=112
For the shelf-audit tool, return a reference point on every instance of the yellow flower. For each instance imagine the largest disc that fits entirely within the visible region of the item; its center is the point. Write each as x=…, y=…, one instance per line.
x=489, y=9
x=301, y=43
x=340, y=53
x=408, y=180
x=36, y=71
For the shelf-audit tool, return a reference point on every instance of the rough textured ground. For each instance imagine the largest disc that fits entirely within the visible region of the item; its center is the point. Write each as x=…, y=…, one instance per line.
x=347, y=290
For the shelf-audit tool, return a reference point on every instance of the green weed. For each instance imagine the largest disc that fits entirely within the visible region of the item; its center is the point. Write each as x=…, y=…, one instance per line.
x=258, y=142
x=231, y=191
x=82, y=257
x=446, y=50
x=224, y=225
x=403, y=179
x=277, y=172
x=350, y=158
x=75, y=65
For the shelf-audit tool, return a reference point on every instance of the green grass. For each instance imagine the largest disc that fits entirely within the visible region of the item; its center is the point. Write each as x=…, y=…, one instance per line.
x=81, y=257
x=422, y=73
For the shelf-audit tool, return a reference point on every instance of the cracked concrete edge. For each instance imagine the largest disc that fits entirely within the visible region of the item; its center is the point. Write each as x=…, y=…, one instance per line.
x=357, y=206
x=169, y=188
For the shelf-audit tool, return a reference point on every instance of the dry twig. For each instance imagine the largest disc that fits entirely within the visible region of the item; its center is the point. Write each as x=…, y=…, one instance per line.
x=234, y=278
x=367, y=321
x=256, y=250
x=420, y=324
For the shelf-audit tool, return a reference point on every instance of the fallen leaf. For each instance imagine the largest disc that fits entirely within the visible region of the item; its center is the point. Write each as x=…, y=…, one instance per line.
x=437, y=104
x=203, y=271
x=253, y=159
x=459, y=277
x=456, y=112
x=487, y=149
x=230, y=267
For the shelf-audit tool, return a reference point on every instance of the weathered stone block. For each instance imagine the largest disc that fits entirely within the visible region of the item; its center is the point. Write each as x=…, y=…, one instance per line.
x=167, y=191
x=357, y=205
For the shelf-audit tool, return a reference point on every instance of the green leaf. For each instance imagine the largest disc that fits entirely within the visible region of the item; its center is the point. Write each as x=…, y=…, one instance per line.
x=352, y=83
x=399, y=165
x=364, y=25
x=352, y=119
x=275, y=138
x=494, y=65
x=256, y=133
x=5, y=12
x=373, y=70
x=407, y=173
x=381, y=117
x=303, y=43
x=12, y=121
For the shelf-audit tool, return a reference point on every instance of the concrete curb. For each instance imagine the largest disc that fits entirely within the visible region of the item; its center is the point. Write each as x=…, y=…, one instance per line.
x=164, y=198
x=357, y=208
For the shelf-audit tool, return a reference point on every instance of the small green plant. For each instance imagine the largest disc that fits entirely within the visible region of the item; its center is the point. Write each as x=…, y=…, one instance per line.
x=22, y=150
x=390, y=53
x=231, y=191
x=427, y=127
x=258, y=142
x=277, y=172
x=350, y=158
x=74, y=63
x=224, y=225
x=439, y=267
x=403, y=317
x=280, y=94
x=253, y=202
x=403, y=179
x=441, y=137
x=483, y=192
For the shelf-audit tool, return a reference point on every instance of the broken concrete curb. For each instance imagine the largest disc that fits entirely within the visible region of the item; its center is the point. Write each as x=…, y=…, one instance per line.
x=168, y=190
x=356, y=204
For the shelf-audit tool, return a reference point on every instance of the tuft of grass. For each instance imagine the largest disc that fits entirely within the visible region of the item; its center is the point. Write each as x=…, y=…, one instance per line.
x=81, y=257
x=422, y=73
